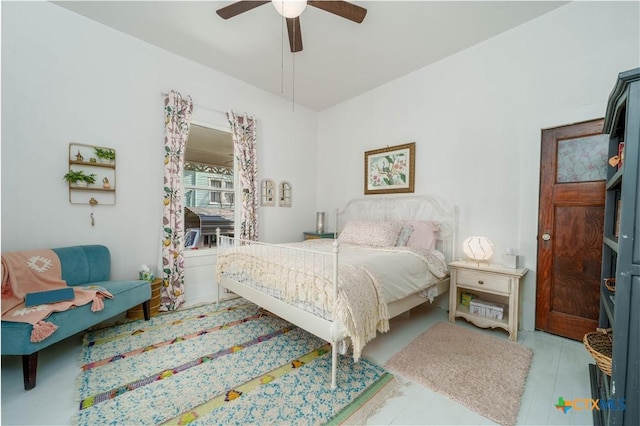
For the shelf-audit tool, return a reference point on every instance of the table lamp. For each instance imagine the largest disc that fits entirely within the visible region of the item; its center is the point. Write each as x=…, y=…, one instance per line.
x=478, y=249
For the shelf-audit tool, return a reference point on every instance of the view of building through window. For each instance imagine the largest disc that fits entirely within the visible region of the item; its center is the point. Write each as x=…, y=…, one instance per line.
x=209, y=193
x=208, y=186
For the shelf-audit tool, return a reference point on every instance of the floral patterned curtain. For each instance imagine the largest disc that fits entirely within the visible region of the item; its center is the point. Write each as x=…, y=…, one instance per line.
x=177, y=113
x=243, y=131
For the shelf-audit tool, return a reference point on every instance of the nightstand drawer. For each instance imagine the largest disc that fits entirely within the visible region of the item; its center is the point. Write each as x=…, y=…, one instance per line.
x=483, y=281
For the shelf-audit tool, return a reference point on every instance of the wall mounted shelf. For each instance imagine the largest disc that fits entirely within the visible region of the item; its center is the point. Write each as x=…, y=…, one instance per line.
x=84, y=158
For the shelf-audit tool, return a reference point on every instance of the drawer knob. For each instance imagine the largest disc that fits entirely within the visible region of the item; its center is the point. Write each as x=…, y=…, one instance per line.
x=480, y=282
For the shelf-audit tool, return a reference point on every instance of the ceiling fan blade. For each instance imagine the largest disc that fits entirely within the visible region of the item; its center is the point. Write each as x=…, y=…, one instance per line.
x=238, y=7
x=295, y=36
x=344, y=9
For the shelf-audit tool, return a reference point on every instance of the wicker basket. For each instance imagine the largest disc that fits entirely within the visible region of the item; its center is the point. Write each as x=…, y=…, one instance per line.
x=599, y=344
x=136, y=312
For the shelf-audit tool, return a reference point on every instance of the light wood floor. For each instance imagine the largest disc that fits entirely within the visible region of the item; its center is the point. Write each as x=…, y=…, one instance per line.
x=559, y=368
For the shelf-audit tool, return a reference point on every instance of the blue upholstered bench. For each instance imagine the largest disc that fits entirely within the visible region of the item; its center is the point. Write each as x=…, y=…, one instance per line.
x=81, y=265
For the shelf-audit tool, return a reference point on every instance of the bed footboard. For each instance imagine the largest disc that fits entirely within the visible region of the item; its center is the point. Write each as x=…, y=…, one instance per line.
x=314, y=264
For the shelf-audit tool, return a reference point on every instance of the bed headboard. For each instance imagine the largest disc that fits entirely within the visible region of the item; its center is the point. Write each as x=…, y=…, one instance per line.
x=423, y=207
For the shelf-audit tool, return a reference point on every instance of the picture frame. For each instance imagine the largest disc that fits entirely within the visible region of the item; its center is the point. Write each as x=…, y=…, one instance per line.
x=390, y=170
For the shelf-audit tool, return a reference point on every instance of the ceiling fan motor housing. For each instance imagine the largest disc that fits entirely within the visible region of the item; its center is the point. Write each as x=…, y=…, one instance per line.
x=291, y=10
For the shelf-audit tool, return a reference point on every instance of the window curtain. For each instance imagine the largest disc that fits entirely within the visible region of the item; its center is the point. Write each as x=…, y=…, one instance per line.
x=177, y=120
x=243, y=131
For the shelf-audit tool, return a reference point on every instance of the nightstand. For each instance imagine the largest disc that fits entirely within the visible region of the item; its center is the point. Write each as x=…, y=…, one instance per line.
x=314, y=235
x=488, y=282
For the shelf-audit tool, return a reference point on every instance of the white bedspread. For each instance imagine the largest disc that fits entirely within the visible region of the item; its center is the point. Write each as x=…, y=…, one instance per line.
x=368, y=279
x=399, y=271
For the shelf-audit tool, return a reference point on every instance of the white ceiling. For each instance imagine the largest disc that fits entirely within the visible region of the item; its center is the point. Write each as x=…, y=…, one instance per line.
x=340, y=60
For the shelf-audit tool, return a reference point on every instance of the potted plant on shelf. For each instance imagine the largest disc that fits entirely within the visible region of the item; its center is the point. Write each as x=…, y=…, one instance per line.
x=90, y=179
x=78, y=178
x=105, y=155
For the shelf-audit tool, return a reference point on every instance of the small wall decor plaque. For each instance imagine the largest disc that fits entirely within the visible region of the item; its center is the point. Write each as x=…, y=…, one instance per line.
x=268, y=192
x=285, y=194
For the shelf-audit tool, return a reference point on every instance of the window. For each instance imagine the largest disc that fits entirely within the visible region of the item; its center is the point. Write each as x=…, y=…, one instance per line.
x=208, y=184
x=224, y=197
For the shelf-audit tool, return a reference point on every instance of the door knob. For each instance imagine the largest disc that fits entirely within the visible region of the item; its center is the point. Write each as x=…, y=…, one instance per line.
x=546, y=236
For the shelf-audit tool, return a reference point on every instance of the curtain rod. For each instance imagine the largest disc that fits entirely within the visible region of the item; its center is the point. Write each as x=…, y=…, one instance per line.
x=164, y=95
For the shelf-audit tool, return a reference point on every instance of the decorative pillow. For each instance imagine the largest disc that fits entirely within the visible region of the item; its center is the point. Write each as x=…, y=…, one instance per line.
x=370, y=233
x=403, y=236
x=424, y=235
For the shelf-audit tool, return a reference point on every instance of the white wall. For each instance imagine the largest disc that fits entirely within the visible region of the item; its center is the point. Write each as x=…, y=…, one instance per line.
x=476, y=118
x=69, y=79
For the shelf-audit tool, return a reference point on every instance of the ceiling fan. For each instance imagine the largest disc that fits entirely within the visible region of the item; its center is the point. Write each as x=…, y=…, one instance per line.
x=291, y=10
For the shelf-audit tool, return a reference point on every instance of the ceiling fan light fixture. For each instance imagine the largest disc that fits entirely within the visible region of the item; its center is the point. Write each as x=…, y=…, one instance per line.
x=289, y=8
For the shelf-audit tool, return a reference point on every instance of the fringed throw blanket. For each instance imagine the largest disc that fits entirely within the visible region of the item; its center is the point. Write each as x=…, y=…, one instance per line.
x=359, y=312
x=39, y=270
x=305, y=280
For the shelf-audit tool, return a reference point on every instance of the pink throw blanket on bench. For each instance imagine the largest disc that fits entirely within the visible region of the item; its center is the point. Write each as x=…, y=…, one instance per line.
x=39, y=270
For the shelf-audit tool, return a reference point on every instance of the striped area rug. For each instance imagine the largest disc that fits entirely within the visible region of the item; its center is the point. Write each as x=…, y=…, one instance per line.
x=219, y=364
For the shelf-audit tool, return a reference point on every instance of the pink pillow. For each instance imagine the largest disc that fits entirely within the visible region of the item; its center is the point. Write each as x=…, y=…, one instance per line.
x=424, y=235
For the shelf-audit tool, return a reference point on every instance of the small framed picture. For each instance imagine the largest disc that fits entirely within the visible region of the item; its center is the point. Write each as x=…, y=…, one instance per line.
x=390, y=170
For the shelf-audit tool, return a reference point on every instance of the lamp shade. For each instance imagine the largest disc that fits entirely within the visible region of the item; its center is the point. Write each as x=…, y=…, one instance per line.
x=478, y=248
x=289, y=8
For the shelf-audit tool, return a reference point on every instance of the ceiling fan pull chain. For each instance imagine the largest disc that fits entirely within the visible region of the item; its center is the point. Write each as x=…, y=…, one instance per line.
x=293, y=75
x=282, y=56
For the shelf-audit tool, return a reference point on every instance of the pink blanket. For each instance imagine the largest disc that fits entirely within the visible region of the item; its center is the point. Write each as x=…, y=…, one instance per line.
x=39, y=270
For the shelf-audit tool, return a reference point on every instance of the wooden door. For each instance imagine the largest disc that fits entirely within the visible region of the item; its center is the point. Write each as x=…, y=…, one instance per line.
x=570, y=223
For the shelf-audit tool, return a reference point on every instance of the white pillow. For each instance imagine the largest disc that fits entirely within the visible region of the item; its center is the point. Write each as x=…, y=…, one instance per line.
x=370, y=233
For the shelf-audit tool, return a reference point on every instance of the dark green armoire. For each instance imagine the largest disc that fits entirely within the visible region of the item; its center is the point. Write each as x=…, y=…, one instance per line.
x=619, y=394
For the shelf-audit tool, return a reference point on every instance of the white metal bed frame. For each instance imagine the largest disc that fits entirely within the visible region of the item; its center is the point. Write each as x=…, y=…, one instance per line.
x=374, y=208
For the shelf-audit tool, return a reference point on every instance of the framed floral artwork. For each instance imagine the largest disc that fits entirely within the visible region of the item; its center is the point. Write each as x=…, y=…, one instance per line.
x=390, y=170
